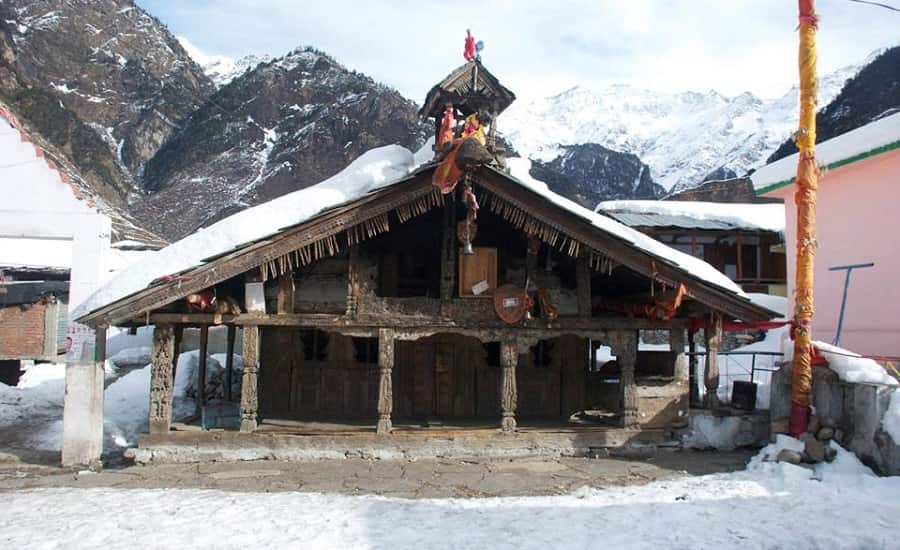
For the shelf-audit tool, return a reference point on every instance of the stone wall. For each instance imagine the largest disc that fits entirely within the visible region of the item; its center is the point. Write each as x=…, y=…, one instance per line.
x=854, y=411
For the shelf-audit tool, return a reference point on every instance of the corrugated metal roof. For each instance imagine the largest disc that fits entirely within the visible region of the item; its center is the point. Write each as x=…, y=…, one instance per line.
x=633, y=219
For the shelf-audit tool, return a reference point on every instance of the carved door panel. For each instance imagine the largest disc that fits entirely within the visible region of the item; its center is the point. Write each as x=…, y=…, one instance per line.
x=443, y=379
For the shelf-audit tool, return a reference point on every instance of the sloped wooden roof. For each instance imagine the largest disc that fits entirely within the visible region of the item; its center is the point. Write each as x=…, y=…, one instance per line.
x=470, y=87
x=409, y=197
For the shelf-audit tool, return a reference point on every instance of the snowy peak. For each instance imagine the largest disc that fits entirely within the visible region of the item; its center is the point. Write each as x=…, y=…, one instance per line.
x=222, y=69
x=683, y=137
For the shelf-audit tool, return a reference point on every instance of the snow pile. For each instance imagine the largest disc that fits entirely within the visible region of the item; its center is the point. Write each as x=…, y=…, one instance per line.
x=519, y=169
x=837, y=505
x=372, y=170
x=851, y=367
x=891, y=421
x=764, y=217
x=131, y=357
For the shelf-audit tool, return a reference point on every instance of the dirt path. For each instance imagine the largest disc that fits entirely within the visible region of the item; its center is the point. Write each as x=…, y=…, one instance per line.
x=401, y=478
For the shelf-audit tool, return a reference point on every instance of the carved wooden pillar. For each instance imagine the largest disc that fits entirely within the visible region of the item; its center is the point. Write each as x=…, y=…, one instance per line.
x=353, y=282
x=249, y=396
x=509, y=357
x=713, y=335
x=624, y=345
x=161, y=379
x=583, y=284
x=693, y=367
x=385, y=384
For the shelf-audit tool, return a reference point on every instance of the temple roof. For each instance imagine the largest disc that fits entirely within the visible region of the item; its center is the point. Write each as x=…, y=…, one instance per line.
x=470, y=87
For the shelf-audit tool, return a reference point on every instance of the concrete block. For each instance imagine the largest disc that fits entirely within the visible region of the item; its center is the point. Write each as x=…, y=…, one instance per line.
x=83, y=414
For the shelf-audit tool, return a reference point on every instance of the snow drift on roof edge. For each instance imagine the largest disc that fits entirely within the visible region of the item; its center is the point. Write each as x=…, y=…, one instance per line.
x=374, y=169
x=766, y=217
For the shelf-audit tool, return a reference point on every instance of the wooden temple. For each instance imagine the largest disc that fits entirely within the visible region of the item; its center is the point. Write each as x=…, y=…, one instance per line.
x=383, y=317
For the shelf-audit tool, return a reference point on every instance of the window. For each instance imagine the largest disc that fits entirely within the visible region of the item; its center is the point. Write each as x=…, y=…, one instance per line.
x=600, y=355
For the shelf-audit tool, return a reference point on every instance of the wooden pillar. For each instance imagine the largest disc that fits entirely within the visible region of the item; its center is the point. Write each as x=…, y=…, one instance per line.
x=385, y=384
x=161, y=379
x=285, y=297
x=713, y=334
x=249, y=396
x=448, y=248
x=740, y=257
x=624, y=345
x=583, y=284
x=353, y=282
x=676, y=344
x=229, y=362
x=201, y=374
x=693, y=367
x=509, y=357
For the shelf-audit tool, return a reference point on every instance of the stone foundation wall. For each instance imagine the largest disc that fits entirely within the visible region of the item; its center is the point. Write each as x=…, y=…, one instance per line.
x=853, y=410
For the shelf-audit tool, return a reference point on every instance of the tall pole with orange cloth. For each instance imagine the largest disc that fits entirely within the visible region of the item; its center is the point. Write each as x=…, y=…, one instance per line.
x=807, y=184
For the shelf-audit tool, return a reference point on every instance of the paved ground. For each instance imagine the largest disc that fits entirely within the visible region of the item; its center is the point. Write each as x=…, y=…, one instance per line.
x=400, y=478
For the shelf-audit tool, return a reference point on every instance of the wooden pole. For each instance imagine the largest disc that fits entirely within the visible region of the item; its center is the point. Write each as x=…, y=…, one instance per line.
x=201, y=382
x=713, y=334
x=229, y=362
x=509, y=395
x=624, y=344
x=161, y=379
x=805, y=197
x=249, y=395
x=385, y=384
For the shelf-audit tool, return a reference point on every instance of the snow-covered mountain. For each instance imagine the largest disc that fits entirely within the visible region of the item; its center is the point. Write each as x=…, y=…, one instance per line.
x=222, y=69
x=684, y=137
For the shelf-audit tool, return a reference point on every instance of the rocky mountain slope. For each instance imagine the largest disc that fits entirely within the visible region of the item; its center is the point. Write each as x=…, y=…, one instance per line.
x=685, y=137
x=282, y=126
x=101, y=79
x=871, y=94
x=577, y=173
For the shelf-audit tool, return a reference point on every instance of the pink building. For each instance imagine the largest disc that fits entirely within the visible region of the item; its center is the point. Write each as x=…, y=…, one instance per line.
x=858, y=217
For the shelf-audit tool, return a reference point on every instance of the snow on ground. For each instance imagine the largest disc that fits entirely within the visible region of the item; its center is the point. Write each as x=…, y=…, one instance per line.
x=769, y=505
x=766, y=217
x=891, y=421
x=850, y=367
x=34, y=407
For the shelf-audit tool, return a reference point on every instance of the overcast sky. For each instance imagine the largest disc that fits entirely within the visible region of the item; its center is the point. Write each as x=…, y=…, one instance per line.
x=540, y=48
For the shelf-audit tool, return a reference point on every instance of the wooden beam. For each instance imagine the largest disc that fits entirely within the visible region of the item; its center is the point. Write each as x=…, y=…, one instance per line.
x=229, y=362
x=509, y=358
x=711, y=375
x=370, y=321
x=161, y=379
x=285, y=297
x=385, y=383
x=249, y=395
x=448, y=248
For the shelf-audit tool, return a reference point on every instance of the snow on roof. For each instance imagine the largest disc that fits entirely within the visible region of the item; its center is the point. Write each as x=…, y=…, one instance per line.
x=875, y=137
x=372, y=170
x=696, y=215
x=519, y=169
